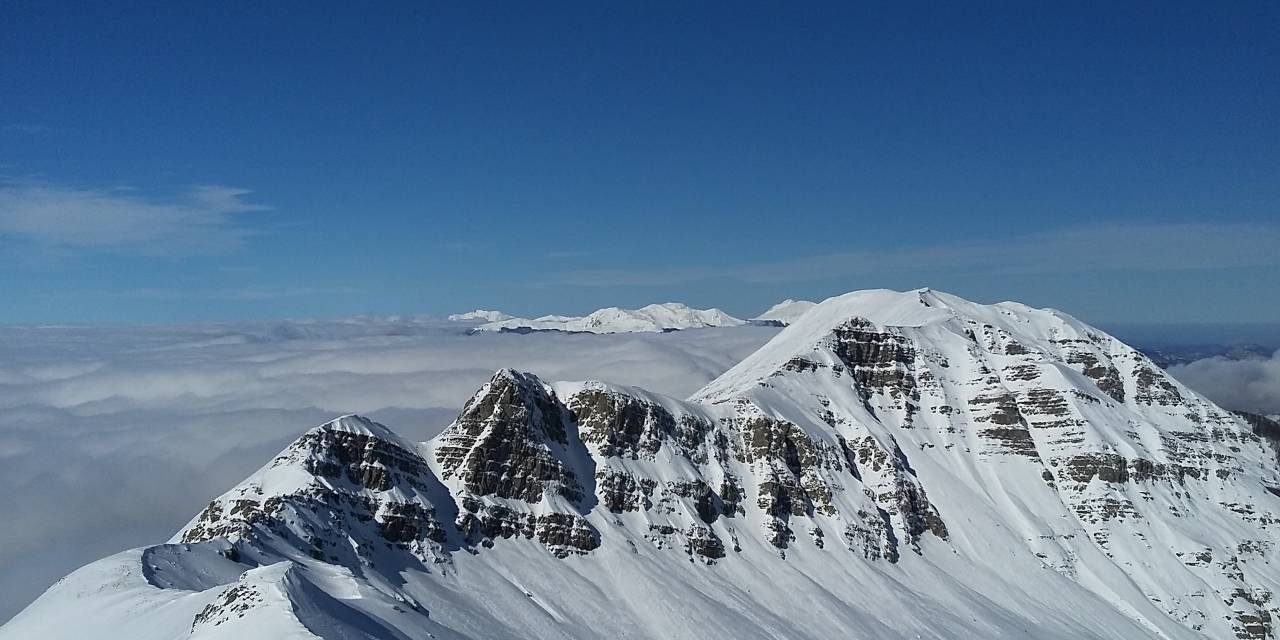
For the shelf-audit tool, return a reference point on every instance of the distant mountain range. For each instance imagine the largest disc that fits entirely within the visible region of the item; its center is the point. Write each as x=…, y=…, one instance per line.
x=480, y=315
x=670, y=316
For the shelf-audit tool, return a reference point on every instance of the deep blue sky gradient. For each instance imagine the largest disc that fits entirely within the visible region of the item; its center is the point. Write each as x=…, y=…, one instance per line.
x=424, y=158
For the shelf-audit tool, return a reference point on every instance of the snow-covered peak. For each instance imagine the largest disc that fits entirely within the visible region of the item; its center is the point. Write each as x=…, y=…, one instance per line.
x=945, y=316
x=480, y=315
x=784, y=313
x=362, y=426
x=670, y=316
x=348, y=484
x=296, y=467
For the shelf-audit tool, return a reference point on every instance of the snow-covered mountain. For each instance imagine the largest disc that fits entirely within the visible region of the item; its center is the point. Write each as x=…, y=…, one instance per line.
x=480, y=315
x=891, y=465
x=670, y=316
x=784, y=313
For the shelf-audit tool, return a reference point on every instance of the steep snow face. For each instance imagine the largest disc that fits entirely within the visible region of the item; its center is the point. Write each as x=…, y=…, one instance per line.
x=1056, y=437
x=670, y=316
x=480, y=315
x=892, y=465
x=784, y=313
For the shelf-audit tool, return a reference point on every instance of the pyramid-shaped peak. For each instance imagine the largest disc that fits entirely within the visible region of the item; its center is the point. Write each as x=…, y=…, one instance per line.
x=357, y=425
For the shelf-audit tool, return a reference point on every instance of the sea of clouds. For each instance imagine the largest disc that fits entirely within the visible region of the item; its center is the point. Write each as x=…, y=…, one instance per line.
x=113, y=438
x=1248, y=384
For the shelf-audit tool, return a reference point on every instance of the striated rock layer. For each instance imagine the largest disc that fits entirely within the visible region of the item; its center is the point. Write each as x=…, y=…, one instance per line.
x=890, y=465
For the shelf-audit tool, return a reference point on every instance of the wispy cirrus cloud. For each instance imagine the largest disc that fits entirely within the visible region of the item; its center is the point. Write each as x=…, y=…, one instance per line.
x=242, y=294
x=1137, y=247
x=200, y=221
x=25, y=128
x=571, y=253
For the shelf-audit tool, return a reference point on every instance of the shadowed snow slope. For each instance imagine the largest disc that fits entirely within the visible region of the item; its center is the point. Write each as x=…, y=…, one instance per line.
x=891, y=465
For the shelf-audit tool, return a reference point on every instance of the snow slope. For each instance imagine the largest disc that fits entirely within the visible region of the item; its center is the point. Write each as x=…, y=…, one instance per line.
x=670, y=316
x=784, y=313
x=480, y=315
x=891, y=465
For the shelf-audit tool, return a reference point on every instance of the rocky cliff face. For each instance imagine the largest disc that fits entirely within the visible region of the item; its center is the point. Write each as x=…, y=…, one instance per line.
x=516, y=467
x=1012, y=471
x=339, y=493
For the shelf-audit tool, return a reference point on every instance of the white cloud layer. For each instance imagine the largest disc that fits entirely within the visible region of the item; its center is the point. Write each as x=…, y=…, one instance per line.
x=203, y=220
x=112, y=438
x=1252, y=384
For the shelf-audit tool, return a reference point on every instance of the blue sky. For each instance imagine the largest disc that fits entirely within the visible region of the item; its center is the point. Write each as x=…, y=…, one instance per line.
x=185, y=161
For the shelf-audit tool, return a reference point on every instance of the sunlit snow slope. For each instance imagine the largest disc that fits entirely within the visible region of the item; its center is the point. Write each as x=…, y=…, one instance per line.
x=891, y=465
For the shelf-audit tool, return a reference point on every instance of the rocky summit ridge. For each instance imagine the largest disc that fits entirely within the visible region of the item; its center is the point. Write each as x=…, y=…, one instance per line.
x=891, y=464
